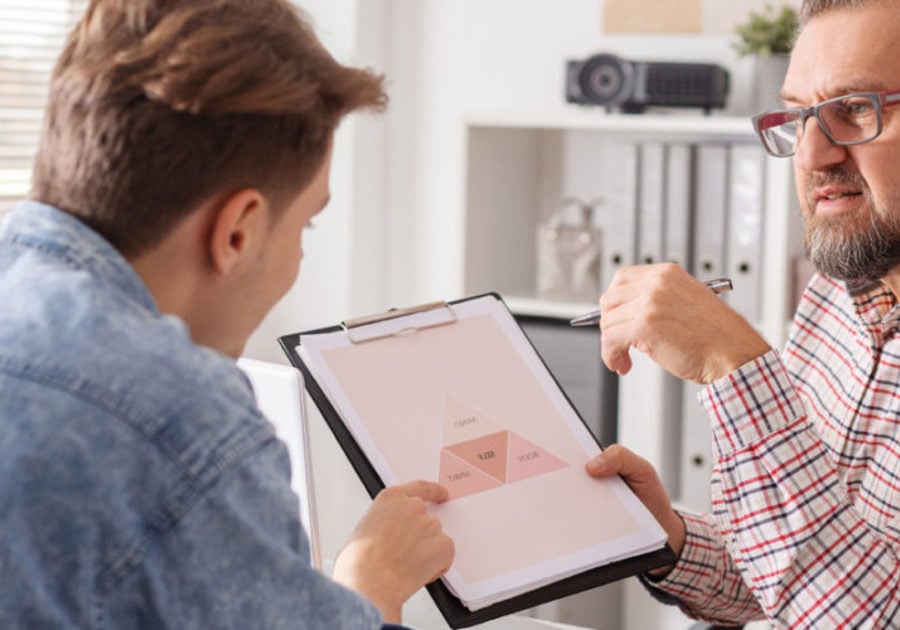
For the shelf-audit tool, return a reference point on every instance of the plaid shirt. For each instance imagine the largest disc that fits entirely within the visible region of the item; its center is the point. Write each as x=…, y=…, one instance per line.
x=805, y=522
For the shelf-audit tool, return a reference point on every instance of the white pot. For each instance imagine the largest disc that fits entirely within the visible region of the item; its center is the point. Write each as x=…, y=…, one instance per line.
x=768, y=77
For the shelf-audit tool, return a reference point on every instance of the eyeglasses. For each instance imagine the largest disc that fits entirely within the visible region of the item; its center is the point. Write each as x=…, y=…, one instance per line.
x=845, y=120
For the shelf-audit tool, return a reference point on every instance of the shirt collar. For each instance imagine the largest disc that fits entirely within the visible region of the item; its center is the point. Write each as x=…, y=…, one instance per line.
x=63, y=236
x=876, y=306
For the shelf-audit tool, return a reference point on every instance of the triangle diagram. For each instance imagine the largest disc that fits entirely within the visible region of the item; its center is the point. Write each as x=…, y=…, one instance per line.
x=487, y=453
x=461, y=478
x=527, y=459
x=479, y=454
x=462, y=423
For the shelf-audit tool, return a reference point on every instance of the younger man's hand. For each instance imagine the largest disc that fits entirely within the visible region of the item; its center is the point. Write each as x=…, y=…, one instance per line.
x=396, y=548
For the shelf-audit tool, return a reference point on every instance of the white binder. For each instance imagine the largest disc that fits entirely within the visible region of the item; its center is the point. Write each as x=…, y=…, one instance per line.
x=650, y=418
x=620, y=196
x=745, y=228
x=651, y=212
x=696, y=451
x=679, y=176
x=711, y=208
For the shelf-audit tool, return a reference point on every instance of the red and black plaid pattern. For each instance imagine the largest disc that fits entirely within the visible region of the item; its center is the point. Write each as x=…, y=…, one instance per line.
x=805, y=524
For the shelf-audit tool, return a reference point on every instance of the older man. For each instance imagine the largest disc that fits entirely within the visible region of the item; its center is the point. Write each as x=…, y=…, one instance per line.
x=805, y=523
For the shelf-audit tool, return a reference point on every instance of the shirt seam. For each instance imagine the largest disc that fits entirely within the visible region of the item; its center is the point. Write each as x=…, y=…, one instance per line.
x=50, y=248
x=25, y=372
x=187, y=496
x=187, y=492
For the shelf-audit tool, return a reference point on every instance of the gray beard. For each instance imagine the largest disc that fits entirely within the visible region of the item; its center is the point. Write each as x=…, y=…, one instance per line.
x=848, y=248
x=864, y=253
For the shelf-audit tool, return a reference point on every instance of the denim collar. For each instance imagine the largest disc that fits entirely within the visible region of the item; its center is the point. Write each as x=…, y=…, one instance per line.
x=63, y=236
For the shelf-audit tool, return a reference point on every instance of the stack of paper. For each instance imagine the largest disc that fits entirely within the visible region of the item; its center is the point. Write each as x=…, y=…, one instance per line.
x=458, y=395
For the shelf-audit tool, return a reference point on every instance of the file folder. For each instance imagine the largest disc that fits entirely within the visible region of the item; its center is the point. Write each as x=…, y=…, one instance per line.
x=652, y=207
x=745, y=228
x=650, y=417
x=620, y=194
x=678, y=222
x=696, y=452
x=711, y=210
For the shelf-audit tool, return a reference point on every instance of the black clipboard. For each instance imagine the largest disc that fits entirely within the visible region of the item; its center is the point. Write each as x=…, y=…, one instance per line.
x=454, y=611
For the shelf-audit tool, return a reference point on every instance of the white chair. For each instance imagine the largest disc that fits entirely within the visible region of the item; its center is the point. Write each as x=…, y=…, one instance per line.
x=280, y=397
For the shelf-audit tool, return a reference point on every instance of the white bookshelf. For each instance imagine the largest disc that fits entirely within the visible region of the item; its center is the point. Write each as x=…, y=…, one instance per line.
x=688, y=124
x=517, y=167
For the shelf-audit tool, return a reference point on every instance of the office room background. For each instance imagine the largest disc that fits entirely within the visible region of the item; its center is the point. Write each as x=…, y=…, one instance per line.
x=441, y=196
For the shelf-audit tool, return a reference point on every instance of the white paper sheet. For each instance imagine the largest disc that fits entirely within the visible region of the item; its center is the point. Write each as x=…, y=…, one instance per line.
x=470, y=405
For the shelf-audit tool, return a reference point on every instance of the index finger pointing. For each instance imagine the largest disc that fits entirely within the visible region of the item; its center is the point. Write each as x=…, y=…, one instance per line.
x=425, y=490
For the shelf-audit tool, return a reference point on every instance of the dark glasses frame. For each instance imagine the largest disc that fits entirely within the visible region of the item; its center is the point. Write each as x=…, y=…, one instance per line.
x=799, y=115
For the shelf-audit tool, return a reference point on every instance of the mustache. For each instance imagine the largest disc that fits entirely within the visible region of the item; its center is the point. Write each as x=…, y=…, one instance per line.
x=838, y=175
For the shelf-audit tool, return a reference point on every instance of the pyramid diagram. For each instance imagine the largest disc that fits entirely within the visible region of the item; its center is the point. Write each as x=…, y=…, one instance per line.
x=479, y=454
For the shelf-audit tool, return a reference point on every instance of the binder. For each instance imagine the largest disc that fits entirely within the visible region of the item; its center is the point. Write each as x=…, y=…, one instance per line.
x=650, y=397
x=652, y=207
x=421, y=332
x=678, y=219
x=745, y=228
x=711, y=208
x=620, y=188
x=711, y=199
x=650, y=417
x=696, y=452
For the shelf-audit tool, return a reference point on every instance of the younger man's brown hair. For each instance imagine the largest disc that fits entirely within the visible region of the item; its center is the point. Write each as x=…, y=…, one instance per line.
x=156, y=105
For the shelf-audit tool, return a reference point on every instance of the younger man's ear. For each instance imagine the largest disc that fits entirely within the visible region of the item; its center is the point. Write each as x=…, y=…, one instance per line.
x=239, y=223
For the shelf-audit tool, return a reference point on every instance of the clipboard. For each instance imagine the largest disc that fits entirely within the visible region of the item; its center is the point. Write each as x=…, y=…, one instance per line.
x=434, y=320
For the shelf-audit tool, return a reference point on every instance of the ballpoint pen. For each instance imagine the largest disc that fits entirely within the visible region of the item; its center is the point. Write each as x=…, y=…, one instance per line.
x=718, y=285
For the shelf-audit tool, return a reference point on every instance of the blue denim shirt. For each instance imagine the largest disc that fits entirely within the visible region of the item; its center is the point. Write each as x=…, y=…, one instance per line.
x=139, y=484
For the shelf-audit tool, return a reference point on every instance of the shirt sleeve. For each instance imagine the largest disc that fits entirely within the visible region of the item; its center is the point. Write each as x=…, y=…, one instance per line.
x=238, y=558
x=704, y=583
x=777, y=502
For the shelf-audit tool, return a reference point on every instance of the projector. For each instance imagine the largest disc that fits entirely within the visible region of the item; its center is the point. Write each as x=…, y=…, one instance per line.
x=631, y=86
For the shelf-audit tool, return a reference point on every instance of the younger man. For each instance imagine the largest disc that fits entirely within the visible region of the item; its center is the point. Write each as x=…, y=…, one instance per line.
x=187, y=145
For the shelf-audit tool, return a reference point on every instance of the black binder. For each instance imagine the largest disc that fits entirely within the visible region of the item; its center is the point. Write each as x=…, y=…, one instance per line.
x=454, y=611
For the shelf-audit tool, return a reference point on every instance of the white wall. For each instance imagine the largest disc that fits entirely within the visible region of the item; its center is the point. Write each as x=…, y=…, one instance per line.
x=342, y=269
x=393, y=233
x=449, y=60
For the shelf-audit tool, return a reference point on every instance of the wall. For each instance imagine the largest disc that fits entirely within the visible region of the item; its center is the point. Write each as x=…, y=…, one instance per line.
x=452, y=59
x=341, y=273
x=394, y=232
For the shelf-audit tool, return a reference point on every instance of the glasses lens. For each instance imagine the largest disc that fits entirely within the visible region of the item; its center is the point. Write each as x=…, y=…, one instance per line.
x=852, y=119
x=779, y=131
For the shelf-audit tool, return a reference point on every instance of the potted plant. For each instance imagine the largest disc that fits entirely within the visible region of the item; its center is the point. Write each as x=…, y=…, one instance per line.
x=767, y=36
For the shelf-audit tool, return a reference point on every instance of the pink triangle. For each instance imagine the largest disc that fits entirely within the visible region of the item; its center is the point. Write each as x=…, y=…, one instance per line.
x=487, y=453
x=526, y=459
x=462, y=423
x=461, y=478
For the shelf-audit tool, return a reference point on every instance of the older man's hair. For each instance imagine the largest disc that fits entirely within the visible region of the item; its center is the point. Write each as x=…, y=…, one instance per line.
x=811, y=8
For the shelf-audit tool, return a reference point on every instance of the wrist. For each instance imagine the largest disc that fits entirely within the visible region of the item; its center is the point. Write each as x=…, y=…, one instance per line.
x=738, y=356
x=374, y=585
x=677, y=532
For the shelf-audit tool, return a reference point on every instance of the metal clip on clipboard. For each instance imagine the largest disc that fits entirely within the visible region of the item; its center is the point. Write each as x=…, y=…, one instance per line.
x=371, y=327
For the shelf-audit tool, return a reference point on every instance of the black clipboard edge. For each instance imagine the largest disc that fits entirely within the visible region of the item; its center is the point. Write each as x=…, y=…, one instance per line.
x=454, y=611
x=361, y=465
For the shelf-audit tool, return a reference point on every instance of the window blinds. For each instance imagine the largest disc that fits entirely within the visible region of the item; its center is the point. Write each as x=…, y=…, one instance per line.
x=31, y=36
